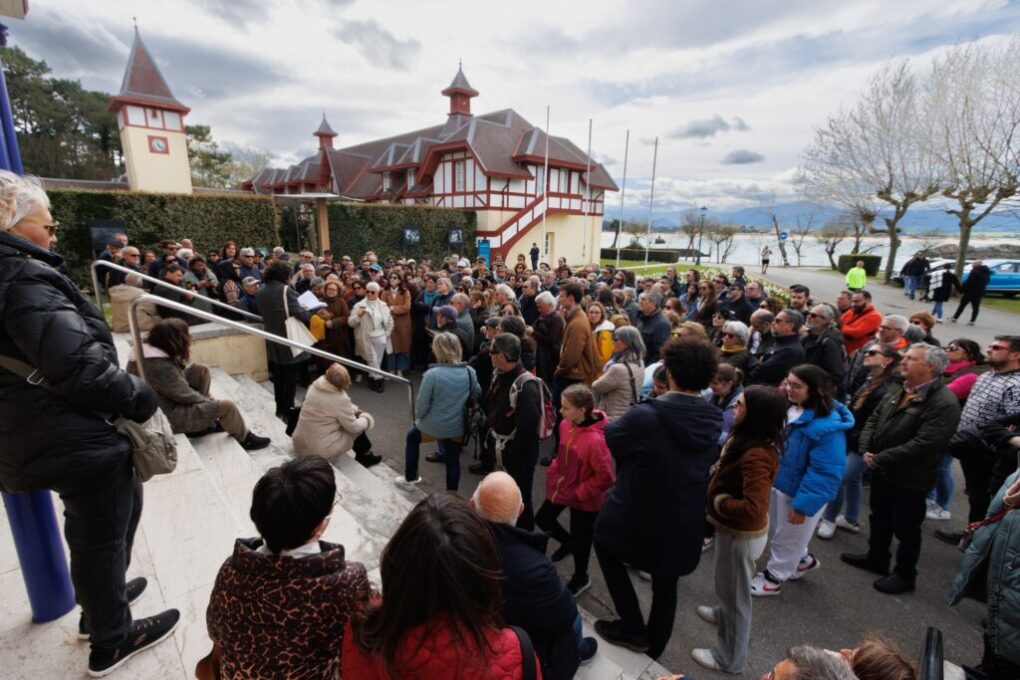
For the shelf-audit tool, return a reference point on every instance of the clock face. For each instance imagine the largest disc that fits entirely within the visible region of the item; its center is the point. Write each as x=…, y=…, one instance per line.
x=158, y=145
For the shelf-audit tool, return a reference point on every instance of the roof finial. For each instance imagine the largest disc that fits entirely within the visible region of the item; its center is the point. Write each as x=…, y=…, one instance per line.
x=134, y=20
x=460, y=63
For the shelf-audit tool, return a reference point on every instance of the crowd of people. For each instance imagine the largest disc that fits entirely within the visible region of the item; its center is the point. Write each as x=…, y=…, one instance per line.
x=688, y=412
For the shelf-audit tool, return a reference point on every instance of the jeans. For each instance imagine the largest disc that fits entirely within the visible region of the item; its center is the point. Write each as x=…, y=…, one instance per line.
x=582, y=531
x=449, y=449
x=734, y=568
x=936, y=309
x=101, y=515
x=850, y=490
x=910, y=285
x=896, y=512
x=663, y=611
x=942, y=492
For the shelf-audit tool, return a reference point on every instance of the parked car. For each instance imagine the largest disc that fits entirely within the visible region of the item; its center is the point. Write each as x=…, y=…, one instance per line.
x=1005, y=276
x=922, y=288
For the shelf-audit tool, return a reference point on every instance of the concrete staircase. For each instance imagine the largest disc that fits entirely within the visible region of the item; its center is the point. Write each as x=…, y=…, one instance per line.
x=188, y=527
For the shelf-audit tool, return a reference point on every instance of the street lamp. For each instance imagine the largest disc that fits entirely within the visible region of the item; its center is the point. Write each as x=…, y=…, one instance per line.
x=701, y=234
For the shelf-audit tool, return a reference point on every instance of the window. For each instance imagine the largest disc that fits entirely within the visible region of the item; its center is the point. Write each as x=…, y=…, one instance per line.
x=458, y=176
x=564, y=181
x=386, y=181
x=410, y=178
x=540, y=183
x=548, y=245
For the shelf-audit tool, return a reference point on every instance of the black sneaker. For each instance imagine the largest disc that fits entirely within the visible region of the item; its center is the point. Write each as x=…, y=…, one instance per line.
x=135, y=588
x=894, y=584
x=253, y=442
x=479, y=469
x=950, y=537
x=146, y=633
x=864, y=561
x=613, y=633
x=576, y=585
x=546, y=461
x=561, y=553
x=586, y=650
x=368, y=459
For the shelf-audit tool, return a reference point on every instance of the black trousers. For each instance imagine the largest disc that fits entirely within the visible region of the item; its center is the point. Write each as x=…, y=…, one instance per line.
x=101, y=515
x=362, y=444
x=663, y=612
x=520, y=458
x=285, y=379
x=977, y=475
x=896, y=512
x=579, y=538
x=975, y=304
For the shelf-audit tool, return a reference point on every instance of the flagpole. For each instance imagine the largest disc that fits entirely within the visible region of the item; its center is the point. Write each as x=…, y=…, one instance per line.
x=651, y=199
x=587, y=182
x=623, y=192
x=545, y=185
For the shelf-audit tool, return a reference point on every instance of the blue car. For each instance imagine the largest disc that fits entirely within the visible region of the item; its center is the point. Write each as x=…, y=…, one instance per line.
x=1005, y=276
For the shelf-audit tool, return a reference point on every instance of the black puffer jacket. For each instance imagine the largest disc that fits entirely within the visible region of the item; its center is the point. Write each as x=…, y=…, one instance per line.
x=51, y=436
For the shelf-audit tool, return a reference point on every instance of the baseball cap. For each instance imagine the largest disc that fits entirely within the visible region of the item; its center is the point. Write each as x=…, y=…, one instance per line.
x=449, y=311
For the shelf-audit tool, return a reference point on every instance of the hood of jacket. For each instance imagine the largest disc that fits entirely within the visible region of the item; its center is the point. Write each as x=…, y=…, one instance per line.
x=839, y=420
x=148, y=352
x=15, y=246
x=688, y=418
x=506, y=534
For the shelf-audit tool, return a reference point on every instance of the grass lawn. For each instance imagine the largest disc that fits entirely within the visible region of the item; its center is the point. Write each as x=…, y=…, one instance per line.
x=657, y=268
x=1002, y=303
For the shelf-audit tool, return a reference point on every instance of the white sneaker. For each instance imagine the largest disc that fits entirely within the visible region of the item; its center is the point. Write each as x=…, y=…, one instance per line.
x=406, y=485
x=846, y=525
x=704, y=657
x=764, y=586
x=707, y=613
x=807, y=564
x=826, y=530
x=937, y=514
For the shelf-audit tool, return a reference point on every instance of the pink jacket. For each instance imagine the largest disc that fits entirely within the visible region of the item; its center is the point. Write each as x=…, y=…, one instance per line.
x=583, y=471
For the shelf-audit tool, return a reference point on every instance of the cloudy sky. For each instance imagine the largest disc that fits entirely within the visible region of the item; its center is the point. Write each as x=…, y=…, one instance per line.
x=733, y=90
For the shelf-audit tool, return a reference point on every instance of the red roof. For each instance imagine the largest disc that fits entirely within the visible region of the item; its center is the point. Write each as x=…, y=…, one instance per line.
x=143, y=83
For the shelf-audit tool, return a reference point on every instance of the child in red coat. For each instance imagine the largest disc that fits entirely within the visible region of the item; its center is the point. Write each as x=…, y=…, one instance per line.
x=578, y=479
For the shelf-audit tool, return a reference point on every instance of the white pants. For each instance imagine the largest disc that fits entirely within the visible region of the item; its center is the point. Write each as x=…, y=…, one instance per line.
x=788, y=542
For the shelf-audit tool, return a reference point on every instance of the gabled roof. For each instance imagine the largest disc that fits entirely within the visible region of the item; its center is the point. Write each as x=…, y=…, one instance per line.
x=562, y=152
x=143, y=82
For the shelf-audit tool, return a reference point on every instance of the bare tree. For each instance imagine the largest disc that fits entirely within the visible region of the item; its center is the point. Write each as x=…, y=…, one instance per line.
x=798, y=232
x=974, y=102
x=690, y=226
x=723, y=237
x=832, y=233
x=877, y=149
x=769, y=210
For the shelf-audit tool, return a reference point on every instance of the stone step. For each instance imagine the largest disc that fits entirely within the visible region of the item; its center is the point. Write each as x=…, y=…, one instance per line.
x=377, y=505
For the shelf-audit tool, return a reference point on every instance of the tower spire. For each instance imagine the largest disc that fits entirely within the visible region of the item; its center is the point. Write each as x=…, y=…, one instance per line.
x=460, y=93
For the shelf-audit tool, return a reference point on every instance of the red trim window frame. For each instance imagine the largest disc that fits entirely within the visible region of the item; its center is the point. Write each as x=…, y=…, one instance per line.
x=166, y=144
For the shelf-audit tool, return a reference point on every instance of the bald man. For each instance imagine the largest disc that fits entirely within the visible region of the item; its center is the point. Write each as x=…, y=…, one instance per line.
x=535, y=597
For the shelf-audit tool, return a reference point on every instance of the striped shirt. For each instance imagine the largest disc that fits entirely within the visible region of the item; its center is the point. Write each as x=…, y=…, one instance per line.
x=993, y=396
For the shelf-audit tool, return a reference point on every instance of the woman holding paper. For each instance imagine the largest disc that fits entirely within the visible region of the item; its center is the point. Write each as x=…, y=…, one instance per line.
x=372, y=324
x=277, y=301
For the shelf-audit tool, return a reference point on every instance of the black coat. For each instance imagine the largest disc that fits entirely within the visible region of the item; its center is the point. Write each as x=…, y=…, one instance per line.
x=777, y=362
x=536, y=599
x=653, y=518
x=977, y=281
x=48, y=437
x=655, y=331
x=270, y=302
x=827, y=352
x=739, y=310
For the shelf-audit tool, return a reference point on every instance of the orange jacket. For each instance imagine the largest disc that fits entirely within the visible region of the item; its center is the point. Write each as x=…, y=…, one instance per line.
x=859, y=328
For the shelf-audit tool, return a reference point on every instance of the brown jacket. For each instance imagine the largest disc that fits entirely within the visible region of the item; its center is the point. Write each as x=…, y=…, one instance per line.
x=739, y=490
x=579, y=356
x=400, y=309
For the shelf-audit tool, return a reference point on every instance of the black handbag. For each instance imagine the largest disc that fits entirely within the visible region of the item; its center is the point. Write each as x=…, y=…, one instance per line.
x=528, y=658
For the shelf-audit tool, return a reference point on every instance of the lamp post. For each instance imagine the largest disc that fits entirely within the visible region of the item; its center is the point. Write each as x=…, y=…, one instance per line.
x=701, y=234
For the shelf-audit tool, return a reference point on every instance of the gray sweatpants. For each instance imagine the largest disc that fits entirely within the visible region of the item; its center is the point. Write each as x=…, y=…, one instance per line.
x=734, y=568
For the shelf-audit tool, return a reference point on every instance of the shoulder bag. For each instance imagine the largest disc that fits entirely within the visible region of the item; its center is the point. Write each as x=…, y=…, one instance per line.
x=528, y=657
x=633, y=390
x=154, y=449
x=296, y=329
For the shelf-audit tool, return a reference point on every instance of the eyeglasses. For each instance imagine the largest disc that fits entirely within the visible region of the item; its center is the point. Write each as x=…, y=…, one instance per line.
x=887, y=328
x=953, y=348
x=999, y=348
x=872, y=352
x=812, y=315
x=727, y=334
x=781, y=319
x=51, y=227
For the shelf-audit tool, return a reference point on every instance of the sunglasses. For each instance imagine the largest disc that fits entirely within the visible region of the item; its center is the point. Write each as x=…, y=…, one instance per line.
x=727, y=334
x=952, y=348
x=872, y=353
x=812, y=315
x=999, y=348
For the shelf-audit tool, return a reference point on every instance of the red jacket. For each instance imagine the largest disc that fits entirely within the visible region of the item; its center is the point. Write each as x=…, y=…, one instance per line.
x=582, y=473
x=859, y=328
x=442, y=657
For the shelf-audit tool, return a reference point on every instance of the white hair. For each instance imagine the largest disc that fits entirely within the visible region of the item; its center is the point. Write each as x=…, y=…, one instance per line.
x=373, y=286
x=546, y=299
x=898, y=321
x=19, y=196
x=739, y=329
x=506, y=290
x=133, y=280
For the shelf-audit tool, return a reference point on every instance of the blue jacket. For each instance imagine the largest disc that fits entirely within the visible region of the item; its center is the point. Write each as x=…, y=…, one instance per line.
x=811, y=465
x=442, y=398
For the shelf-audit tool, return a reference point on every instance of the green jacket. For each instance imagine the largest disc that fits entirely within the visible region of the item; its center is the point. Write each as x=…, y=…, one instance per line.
x=856, y=278
x=909, y=440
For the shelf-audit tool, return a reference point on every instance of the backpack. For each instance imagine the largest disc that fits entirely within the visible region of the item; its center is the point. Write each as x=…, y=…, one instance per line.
x=547, y=423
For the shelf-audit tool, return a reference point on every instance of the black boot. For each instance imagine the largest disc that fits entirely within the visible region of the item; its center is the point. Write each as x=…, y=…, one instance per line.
x=368, y=459
x=253, y=442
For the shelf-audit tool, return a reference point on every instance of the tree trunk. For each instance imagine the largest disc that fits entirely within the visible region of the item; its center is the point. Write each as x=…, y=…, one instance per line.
x=965, y=228
x=616, y=234
x=832, y=262
x=894, y=245
x=782, y=243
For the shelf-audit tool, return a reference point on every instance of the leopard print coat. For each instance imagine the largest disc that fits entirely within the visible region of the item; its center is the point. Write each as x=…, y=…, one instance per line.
x=281, y=617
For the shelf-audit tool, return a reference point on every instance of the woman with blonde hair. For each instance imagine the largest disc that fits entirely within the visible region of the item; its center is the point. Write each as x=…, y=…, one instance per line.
x=330, y=424
x=372, y=324
x=603, y=330
x=445, y=390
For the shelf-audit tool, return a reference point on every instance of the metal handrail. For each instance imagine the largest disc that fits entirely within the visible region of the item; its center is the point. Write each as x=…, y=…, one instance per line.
x=136, y=334
x=112, y=265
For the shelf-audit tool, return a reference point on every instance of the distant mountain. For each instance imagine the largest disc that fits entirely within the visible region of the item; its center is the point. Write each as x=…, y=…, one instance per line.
x=916, y=220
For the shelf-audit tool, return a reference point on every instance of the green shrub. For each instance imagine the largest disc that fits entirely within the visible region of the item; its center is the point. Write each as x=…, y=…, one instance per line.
x=208, y=220
x=654, y=255
x=355, y=228
x=872, y=263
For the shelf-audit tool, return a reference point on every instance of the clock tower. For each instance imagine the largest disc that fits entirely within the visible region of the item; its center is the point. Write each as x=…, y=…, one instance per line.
x=151, y=124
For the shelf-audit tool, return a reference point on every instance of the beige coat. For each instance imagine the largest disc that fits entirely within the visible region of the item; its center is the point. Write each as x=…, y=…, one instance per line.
x=121, y=297
x=613, y=391
x=329, y=423
x=366, y=325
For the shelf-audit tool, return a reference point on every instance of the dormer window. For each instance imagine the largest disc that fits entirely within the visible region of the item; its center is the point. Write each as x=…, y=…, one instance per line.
x=386, y=181
x=458, y=176
x=410, y=178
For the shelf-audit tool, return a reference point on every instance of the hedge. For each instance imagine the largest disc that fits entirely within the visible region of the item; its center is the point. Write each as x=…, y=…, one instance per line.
x=208, y=220
x=872, y=263
x=654, y=254
x=355, y=228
